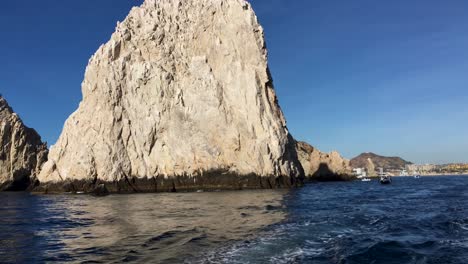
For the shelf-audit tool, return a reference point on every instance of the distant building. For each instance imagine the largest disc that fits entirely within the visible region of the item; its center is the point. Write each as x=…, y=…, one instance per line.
x=453, y=168
x=360, y=173
x=421, y=169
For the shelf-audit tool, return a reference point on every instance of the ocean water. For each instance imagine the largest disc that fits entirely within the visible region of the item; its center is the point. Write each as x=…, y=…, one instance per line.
x=410, y=221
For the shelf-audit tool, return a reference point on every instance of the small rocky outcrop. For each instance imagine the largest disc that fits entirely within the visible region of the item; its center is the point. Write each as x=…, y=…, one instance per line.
x=180, y=98
x=22, y=151
x=321, y=166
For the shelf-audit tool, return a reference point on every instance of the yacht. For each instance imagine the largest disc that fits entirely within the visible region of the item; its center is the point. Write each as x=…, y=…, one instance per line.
x=416, y=174
x=361, y=174
x=384, y=178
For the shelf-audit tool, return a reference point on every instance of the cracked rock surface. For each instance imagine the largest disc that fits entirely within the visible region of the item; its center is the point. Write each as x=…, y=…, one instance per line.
x=182, y=88
x=22, y=151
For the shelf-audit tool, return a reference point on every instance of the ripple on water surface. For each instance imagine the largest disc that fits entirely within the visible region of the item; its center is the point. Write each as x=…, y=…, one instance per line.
x=168, y=228
x=409, y=221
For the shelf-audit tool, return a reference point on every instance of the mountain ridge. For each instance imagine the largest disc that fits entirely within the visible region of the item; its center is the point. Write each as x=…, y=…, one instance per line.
x=385, y=162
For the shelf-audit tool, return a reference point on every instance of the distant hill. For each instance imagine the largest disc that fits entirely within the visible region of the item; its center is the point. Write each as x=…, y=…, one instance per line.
x=387, y=163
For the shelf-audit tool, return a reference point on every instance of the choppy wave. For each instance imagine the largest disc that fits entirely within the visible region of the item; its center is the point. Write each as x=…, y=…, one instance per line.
x=147, y=228
x=410, y=221
x=413, y=221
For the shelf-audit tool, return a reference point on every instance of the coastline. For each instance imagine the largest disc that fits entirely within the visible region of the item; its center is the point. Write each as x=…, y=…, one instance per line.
x=435, y=175
x=445, y=174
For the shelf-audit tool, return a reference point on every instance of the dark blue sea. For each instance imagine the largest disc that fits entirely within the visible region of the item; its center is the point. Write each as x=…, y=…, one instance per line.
x=410, y=221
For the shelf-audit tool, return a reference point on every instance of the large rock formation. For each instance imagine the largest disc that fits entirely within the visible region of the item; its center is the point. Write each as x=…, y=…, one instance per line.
x=180, y=98
x=323, y=166
x=21, y=151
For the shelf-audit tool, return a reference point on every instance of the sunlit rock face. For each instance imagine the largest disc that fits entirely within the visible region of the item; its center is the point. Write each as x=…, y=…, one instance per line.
x=21, y=151
x=323, y=166
x=180, y=97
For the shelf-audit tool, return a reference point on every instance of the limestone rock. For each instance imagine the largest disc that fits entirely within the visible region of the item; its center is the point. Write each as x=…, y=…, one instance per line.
x=22, y=152
x=323, y=166
x=182, y=90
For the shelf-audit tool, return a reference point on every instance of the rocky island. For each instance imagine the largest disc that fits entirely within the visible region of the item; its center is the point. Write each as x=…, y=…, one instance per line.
x=180, y=98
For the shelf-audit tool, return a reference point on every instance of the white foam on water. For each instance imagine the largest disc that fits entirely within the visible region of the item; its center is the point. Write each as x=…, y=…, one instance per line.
x=295, y=255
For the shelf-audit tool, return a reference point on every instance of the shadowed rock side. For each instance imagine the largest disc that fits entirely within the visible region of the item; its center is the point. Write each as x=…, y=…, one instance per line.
x=22, y=152
x=179, y=98
x=323, y=166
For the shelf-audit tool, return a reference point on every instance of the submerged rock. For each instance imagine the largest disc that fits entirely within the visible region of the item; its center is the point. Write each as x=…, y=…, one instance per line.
x=100, y=190
x=323, y=166
x=22, y=151
x=181, y=97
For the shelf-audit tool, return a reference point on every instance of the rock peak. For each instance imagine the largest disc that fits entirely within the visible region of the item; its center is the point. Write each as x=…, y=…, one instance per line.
x=4, y=104
x=181, y=91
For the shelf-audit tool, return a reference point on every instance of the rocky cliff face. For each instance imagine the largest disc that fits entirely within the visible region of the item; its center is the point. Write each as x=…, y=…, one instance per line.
x=21, y=151
x=323, y=166
x=179, y=98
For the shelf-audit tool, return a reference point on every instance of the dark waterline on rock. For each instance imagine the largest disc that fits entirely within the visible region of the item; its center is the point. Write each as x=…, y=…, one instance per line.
x=411, y=221
x=209, y=181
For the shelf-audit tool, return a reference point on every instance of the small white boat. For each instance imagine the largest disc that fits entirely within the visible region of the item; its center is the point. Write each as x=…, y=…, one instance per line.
x=384, y=178
x=417, y=176
x=366, y=180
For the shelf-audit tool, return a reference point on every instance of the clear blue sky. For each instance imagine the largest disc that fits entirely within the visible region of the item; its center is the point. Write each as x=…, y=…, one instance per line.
x=389, y=77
